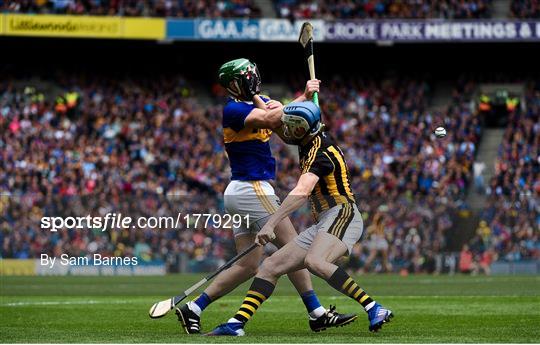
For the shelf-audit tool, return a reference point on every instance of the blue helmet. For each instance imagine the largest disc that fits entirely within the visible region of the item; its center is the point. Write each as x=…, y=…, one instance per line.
x=301, y=121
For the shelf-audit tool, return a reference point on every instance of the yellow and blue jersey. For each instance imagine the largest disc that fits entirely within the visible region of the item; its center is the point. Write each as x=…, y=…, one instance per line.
x=248, y=148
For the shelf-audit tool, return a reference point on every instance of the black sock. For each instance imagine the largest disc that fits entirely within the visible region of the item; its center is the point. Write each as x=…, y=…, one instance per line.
x=258, y=292
x=343, y=282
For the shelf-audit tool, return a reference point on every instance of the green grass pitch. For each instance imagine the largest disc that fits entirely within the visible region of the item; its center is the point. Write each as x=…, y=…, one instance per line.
x=450, y=309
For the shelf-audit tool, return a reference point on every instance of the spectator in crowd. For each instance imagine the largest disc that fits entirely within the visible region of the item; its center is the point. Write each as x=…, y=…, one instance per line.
x=486, y=259
x=478, y=170
x=377, y=243
x=466, y=263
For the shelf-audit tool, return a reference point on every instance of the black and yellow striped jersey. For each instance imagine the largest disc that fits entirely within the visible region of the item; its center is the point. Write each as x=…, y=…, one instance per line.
x=322, y=157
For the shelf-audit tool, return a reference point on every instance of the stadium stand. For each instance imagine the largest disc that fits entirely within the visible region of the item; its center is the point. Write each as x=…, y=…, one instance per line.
x=509, y=228
x=146, y=146
x=92, y=147
x=136, y=8
x=293, y=9
x=413, y=180
x=525, y=9
x=359, y=9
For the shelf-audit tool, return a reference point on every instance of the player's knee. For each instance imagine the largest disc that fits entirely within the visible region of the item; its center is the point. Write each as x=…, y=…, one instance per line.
x=314, y=264
x=250, y=268
x=270, y=268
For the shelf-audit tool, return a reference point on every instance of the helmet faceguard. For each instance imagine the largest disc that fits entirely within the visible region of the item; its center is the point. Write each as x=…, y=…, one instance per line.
x=241, y=78
x=301, y=122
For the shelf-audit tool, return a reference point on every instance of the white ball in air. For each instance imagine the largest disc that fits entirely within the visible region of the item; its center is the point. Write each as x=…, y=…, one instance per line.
x=440, y=132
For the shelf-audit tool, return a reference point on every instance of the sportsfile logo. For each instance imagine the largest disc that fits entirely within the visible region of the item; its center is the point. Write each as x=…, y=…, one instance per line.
x=109, y=221
x=117, y=221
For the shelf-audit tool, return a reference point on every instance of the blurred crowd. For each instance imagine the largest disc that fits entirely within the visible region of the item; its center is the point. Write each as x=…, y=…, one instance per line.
x=136, y=8
x=145, y=146
x=115, y=142
x=510, y=223
x=525, y=8
x=407, y=180
x=372, y=9
x=293, y=9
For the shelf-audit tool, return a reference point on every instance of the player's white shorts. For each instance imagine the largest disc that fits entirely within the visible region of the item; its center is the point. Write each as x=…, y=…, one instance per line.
x=377, y=243
x=343, y=221
x=254, y=198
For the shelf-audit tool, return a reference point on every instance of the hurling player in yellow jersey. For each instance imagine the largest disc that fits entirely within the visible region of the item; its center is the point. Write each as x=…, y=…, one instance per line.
x=325, y=180
x=248, y=120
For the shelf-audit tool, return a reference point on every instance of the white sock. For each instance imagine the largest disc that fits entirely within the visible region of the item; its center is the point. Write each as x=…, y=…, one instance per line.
x=233, y=320
x=318, y=312
x=369, y=306
x=194, y=308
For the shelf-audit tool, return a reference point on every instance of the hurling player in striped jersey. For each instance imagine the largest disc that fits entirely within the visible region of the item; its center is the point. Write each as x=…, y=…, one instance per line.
x=248, y=120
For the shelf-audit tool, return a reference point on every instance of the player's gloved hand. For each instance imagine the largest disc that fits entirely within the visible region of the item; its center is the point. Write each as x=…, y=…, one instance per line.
x=251, y=84
x=312, y=86
x=265, y=235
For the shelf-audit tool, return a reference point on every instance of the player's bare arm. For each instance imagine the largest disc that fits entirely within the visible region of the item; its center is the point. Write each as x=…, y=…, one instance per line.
x=296, y=198
x=269, y=118
x=268, y=114
x=268, y=105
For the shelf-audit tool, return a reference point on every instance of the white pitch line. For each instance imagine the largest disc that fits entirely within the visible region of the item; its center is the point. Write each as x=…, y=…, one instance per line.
x=436, y=296
x=235, y=298
x=21, y=304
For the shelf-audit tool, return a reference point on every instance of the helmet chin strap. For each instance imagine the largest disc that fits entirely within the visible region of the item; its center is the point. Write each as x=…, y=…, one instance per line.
x=310, y=137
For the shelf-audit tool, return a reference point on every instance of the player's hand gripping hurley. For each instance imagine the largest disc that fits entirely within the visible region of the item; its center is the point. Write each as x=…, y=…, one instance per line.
x=306, y=40
x=160, y=309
